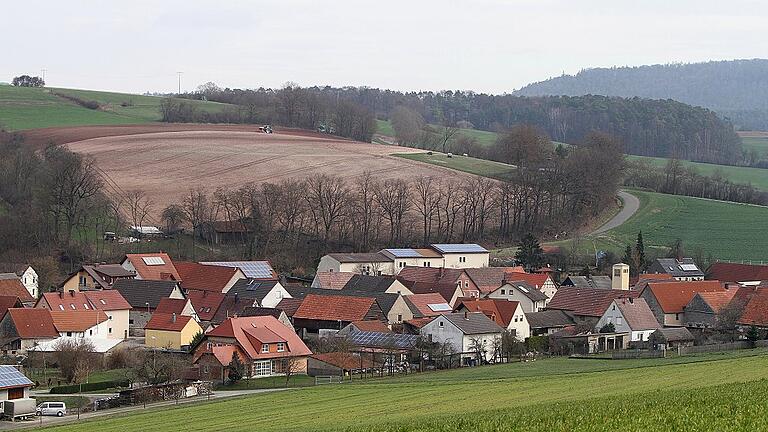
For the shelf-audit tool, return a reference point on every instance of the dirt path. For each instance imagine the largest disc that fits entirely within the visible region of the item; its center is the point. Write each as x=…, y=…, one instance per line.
x=630, y=205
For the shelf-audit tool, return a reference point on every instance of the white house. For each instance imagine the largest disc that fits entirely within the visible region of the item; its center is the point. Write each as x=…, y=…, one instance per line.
x=266, y=293
x=530, y=298
x=630, y=315
x=23, y=272
x=390, y=261
x=507, y=314
x=465, y=332
x=80, y=324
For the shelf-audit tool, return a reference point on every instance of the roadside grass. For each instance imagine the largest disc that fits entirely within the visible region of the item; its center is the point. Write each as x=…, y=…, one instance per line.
x=546, y=401
x=31, y=108
x=481, y=167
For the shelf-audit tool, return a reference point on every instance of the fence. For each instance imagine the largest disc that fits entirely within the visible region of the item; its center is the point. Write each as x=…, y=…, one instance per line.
x=636, y=354
x=728, y=346
x=330, y=379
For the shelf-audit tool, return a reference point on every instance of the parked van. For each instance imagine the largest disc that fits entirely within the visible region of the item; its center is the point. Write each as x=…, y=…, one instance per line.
x=51, y=408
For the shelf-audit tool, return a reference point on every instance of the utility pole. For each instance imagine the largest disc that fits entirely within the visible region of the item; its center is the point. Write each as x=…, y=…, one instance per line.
x=179, y=74
x=42, y=72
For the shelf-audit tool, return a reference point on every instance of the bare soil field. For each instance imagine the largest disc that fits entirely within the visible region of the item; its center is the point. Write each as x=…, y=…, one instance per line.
x=166, y=165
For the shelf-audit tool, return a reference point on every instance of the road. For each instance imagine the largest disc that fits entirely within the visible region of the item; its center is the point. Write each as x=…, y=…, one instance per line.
x=72, y=416
x=629, y=207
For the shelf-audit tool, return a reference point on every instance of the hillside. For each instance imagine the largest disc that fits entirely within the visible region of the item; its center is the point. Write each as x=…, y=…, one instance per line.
x=31, y=108
x=736, y=89
x=548, y=395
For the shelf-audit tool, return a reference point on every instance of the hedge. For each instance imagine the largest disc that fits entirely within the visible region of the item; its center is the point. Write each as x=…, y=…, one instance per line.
x=75, y=388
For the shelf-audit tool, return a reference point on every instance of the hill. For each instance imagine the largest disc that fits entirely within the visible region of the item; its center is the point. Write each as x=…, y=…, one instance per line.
x=736, y=89
x=687, y=393
x=31, y=108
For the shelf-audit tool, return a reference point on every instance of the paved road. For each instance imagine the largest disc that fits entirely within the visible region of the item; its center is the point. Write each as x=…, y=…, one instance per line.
x=629, y=207
x=72, y=417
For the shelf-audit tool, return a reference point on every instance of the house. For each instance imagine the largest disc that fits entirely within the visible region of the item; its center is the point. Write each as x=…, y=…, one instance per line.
x=394, y=346
x=392, y=306
x=204, y=277
x=755, y=306
x=338, y=364
x=265, y=293
x=471, y=335
x=672, y=337
x=206, y=303
x=264, y=345
x=261, y=270
x=170, y=331
x=547, y=322
x=570, y=340
x=151, y=266
x=450, y=283
x=26, y=274
x=592, y=282
x=704, y=307
x=507, y=314
x=376, y=284
x=407, y=257
x=365, y=326
x=667, y=300
x=81, y=323
x=530, y=298
x=22, y=329
x=685, y=270
x=331, y=280
x=181, y=307
x=13, y=384
x=95, y=277
x=424, y=305
x=14, y=288
x=7, y=302
x=111, y=302
x=391, y=261
x=414, y=325
x=318, y=313
x=744, y=274
x=586, y=304
x=489, y=279
x=144, y=296
x=541, y=281
x=631, y=316
x=458, y=255
x=374, y=263
x=144, y=231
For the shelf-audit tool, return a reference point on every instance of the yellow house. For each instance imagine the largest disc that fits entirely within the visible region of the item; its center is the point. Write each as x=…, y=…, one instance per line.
x=170, y=330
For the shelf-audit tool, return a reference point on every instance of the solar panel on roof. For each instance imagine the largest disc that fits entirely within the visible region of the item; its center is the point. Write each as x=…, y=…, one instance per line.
x=404, y=253
x=153, y=261
x=251, y=269
x=11, y=377
x=459, y=248
x=689, y=267
x=376, y=339
x=439, y=307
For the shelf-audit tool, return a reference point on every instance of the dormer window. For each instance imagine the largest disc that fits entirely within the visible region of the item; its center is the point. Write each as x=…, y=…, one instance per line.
x=280, y=346
x=61, y=307
x=265, y=348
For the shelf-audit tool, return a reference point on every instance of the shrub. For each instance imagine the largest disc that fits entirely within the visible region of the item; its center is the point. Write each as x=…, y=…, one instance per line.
x=75, y=388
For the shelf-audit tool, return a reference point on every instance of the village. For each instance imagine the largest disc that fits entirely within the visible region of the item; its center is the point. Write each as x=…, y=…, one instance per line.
x=177, y=329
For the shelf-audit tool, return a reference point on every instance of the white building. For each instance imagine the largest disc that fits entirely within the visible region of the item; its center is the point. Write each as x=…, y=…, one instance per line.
x=630, y=315
x=530, y=298
x=25, y=273
x=391, y=261
x=465, y=333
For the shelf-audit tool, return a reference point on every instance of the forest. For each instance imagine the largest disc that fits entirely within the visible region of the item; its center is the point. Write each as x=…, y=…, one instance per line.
x=737, y=90
x=662, y=128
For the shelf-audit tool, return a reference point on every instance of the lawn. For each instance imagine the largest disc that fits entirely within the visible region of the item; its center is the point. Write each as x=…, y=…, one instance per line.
x=471, y=165
x=728, y=231
x=485, y=138
x=647, y=395
x=30, y=108
x=757, y=143
x=758, y=177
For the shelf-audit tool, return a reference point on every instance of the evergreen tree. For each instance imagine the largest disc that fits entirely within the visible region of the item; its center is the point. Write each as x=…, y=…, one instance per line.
x=640, y=252
x=530, y=254
x=629, y=260
x=235, y=369
x=753, y=335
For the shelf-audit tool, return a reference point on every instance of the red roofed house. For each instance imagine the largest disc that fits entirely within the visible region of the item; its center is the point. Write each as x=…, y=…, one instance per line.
x=427, y=305
x=13, y=287
x=169, y=330
x=587, y=304
x=331, y=280
x=203, y=277
x=739, y=273
x=22, y=329
x=205, y=303
x=81, y=323
x=181, y=307
x=95, y=277
x=541, y=281
x=366, y=326
x=755, y=306
x=110, y=302
x=265, y=346
x=151, y=266
x=318, y=312
x=507, y=314
x=450, y=283
x=704, y=307
x=667, y=300
x=7, y=302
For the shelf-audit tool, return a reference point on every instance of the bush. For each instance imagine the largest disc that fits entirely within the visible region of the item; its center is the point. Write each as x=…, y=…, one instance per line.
x=75, y=388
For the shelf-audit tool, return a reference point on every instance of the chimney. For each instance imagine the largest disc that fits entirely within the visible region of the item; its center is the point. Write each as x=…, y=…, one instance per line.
x=173, y=317
x=620, y=277
x=61, y=294
x=466, y=315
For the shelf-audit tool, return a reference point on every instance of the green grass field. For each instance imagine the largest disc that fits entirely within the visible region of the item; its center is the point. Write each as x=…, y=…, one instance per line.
x=31, y=108
x=759, y=144
x=689, y=393
x=471, y=165
x=758, y=177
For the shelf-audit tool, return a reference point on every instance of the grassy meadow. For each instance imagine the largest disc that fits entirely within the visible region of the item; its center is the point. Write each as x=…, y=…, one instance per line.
x=757, y=143
x=757, y=177
x=31, y=108
x=481, y=167
x=689, y=393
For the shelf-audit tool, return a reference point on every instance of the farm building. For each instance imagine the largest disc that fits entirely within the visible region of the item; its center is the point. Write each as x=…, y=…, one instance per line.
x=530, y=298
x=95, y=277
x=203, y=277
x=25, y=273
x=667, y=300
x=13, y=384
x=22, y=329
x=391, y=261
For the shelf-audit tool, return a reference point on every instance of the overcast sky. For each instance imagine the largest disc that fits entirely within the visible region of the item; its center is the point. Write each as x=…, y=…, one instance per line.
x=488, y=46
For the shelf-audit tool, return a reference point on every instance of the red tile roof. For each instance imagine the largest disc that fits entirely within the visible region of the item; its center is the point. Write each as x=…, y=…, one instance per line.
x=487, y=279
x=170, y=306
x=223, y=353
x=422, y=301
x=289, y=305
x=77, y=321
x=587, y=301
x=206, y=303
x=755, y=307
x=100, y=300
x=165, y=321
x=14, y=287
x=33, y=323
x=372, y=326
x=718, y=299
x=164, y=271
x=498, y=310
x=196, y=276
x=432, y=275
x=419, y=322
x=333, y=280
x=731, y=272
x=7, y=302
x=237, y=329
x=672, y=296
x=536, y=279
x=107, y=300
x=334, y=308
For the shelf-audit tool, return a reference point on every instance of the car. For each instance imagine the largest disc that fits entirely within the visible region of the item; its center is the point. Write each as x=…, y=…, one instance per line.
x=51, y=408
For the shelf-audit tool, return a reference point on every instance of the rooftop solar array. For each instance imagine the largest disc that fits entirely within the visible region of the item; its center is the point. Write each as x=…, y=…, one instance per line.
x=459, y=248
x=689, y=267
x=440, y=307
x=251, y=269
x=382, y=340
x=404, y=253
x=11, y=377
x=153, y=261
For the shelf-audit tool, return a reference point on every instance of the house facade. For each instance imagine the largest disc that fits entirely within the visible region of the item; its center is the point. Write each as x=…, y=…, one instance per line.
x=530, y=298
x=391, y=261
x=631, y=316
x=26, y=274
x=170, y=331
x=466, y=333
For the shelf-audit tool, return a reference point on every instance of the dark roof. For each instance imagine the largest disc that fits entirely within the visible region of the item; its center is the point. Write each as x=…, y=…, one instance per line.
x=17, y=268
x=139, y=292
x=463, y=248
x=685, y=268
x=111, y=270
x=473, y=323
x=586, y=301
x=360, y=257
x=7, y=302
x=528, y=290
x=549, y=319
x=261, y=311
x=251, y=289
x=675, y=334
x=169, y=306
x=732, y=272
x=370, y=339
x=637, y=314
x=368, y=283
x=599, y=282
x=232, y=306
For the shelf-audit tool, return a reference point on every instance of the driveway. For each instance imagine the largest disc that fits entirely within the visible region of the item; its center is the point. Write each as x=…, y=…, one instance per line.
x=629, y=207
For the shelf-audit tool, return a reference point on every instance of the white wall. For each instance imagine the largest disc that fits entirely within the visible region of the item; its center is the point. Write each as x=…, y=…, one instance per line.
x=474, y=260
x=509, y=292
x=488, y=343
x=118, y=322
x=519, y=323
x=446, y=333
x=274, y=296
x=29, y=279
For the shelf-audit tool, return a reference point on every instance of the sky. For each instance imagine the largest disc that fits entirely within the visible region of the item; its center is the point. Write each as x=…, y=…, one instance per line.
x=485, y=46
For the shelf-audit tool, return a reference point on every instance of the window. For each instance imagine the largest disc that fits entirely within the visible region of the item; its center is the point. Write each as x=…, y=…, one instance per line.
x=503, y=292
x=61, y=307
x=72, y=305
x=109, y=317
x=85, y=305
x=429, y=264
x=90, y=332
x=103, y=301
x=677, y=316
x=110, y=330
x=206, y=369
x=209, y=346
x=618, y=321
x=424, y=263
x=69, y=334
x=261, y=368
x=265, y=348
x=442, y=324
x=399, y=317
x=130, y=321
x=614, y=307
x=466, y=284
x=280, y=347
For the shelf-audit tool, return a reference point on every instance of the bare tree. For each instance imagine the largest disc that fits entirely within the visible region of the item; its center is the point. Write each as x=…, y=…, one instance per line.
x=447, y=133
x=139, y=206
x=427, y=202
x=392, y=196
x=75, y=358
x=197, y=209
x=291, y=367
x=326, y=198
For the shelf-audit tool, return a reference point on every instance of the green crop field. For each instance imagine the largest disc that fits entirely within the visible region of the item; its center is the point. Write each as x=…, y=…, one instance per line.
x=485, y=138
x=758, y=177
x=728, y=231
x=30, y=108
x=758, y=144
x=471, y=165
x=689, y=393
